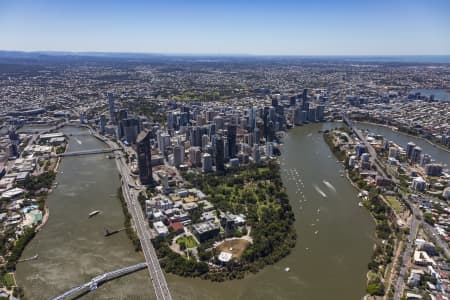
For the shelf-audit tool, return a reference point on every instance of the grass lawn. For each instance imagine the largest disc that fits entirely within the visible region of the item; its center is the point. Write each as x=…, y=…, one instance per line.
x=188, y=241
x=8, y=280
x=237, y=247
x=394, y=203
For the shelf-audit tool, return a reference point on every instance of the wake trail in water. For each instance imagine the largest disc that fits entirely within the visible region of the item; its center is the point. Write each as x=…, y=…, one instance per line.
x=322, y=193
x=329, y=185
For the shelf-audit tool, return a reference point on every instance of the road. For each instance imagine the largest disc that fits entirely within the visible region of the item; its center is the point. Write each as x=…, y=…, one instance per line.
x=400, y=284
x=131, y=192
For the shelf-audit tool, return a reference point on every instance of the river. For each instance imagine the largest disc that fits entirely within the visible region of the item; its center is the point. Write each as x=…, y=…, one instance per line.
x=402, y=140
x=335, y=235
x=331, y=264
x=71, y=247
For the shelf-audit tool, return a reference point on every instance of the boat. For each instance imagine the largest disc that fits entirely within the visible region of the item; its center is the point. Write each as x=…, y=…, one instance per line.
x=287, y=269
x=93, y=213
x=360, y=204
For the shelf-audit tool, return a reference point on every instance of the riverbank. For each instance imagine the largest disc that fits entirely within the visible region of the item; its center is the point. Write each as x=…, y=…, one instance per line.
x=380, y=211
x=395, y=128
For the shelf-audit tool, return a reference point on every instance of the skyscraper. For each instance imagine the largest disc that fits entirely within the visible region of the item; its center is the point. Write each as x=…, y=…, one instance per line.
x=219, y=154
x=112, y=110
x=231, y=136
x=144, y=156
x=102, y=123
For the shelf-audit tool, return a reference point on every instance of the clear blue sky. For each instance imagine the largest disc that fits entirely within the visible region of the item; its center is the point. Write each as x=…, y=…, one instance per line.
x=319, y=27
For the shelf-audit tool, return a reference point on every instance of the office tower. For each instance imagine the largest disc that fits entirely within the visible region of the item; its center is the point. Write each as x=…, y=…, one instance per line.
x=163, y=139
x=205, y=141
x=129, y=129
x=256, y=154
x=123, y=114
x=226, y=149
x=292, y=101
x=207, y=162
x=251, y=119
x=231, y=137
x=218, y=121
x=144, y=157
x=195, y=136
x=311, y=115
x=102, y=123
x=195, y=156
x=433, y=169
x=305, y=105
x=219, y=154
x=187, y=111
x=320, y=113
x=269, y=149
x=170, y=120
x=272, y=114
x=274, y=102
x=304, y=116
x=256, y=136
x=270, y=132
x=305, y=95
x=425, y=159
x=409, y=149
x=112, y=111
x=415, y=157
x=13, y=150
x=297, y=116
x=178, y=155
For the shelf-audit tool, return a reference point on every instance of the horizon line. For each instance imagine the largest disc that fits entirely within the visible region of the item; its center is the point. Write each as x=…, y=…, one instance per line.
x=221, y=54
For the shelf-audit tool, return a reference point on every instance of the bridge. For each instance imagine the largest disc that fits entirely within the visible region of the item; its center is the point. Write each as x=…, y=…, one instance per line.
x=99, y=280
x=87, y=152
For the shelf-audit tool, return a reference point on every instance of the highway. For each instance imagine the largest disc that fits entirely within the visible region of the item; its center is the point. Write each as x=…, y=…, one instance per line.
x=400, y=284
x=131, y=192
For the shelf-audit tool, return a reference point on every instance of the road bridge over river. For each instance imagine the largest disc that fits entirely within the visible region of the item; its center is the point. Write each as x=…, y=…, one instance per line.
x=98, y=280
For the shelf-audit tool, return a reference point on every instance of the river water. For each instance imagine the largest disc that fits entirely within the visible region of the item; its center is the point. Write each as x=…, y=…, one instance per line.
x=71, y=247
x=402, y=140
x=335, y=235
x=328, y=265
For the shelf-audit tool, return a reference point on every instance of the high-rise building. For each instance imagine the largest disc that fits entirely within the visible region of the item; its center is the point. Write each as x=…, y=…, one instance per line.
x=205, y=141
x=415, y=157
x=13, y=150
x=305, y=94
x=320, y=113
x=129, y=129
x=312, y=114
x=123, y=114
x=256, y=136
x=102, y=123
x=195, y=156
x=207, y=162
x=178, y=155
x=219, y=154
x=144, y=157
x=256, y=154
x=409, y=149
x=112, y=110
x=231, y=136
x=425, y=159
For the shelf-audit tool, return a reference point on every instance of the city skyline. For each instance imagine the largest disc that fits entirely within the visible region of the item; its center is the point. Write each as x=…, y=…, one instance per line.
x=200, y=27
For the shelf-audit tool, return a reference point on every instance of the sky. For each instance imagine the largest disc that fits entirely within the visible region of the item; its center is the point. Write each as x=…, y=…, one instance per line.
x=282, y=27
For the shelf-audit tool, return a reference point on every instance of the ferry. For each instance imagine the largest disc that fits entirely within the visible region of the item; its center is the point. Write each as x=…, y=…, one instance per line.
x=93, y=213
